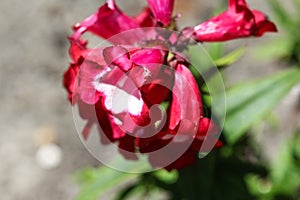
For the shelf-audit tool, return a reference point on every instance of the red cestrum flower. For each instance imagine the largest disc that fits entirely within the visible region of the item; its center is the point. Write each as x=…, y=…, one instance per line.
x=121, y=88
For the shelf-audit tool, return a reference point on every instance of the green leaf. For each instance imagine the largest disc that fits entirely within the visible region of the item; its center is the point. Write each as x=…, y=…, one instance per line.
x=215, y=50
x=284, y=17
x=270, y=50
x=230, y=58
x=199, y=58
x=167, y=177
x=96, y=181
x=129, y=191
x=248, y=103
x=296, y=148
x=257, y=185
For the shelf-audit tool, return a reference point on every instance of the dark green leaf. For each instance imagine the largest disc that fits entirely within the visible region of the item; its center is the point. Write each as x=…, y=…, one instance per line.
x=196, y=181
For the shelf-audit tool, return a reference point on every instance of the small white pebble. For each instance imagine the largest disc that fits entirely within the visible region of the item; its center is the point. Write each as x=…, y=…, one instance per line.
x=49, y=156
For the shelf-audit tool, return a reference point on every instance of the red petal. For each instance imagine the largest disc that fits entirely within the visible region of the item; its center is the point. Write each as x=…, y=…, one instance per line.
x=77, y=49
x=69, y=80
x=157, y=88
x=186, y=102
x=237, y=22
x=108, y=128
x=148, y=56
x=176, y=156
x=154, y=142
x=86, y=89
x=145, y=18
x=263, y=25
x=88, y=113
x=207, y=136
x=108, y=21
x=162, y=10
x=127, y=147
x=236, y=6
x=87, y=129
x=124, y=101
x=118, y=56
x=155, y=80
x=187, y=159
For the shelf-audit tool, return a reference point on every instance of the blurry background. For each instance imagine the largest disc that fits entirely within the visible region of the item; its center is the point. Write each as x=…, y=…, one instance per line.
x=34, y=107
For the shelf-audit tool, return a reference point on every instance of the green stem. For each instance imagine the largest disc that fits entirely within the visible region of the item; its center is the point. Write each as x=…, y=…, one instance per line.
x=195, y=182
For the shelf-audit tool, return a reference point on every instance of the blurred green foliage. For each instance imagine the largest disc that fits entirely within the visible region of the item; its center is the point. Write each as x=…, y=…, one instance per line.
x=237, y=171
x=286, y=46
x=248, y=103
x=226, y=173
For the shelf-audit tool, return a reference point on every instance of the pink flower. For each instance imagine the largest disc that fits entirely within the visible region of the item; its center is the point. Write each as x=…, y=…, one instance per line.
x=237, y=22
x=120, y=88
x=141, y=78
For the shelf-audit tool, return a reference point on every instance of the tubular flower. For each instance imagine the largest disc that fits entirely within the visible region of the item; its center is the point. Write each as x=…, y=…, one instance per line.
x=123, y=87
x=109, y=20
x=237, y=22
x=162, y=10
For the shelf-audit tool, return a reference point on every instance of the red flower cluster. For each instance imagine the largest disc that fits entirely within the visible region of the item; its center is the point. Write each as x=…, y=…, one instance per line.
x=121, y=88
